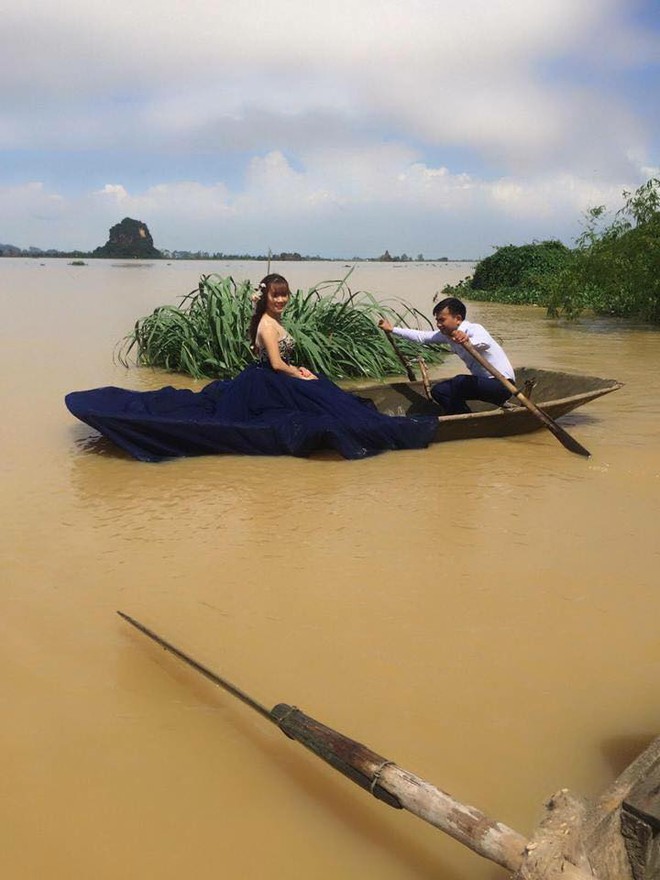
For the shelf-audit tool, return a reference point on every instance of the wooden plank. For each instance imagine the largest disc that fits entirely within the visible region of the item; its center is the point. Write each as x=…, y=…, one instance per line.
x=640, y=823
x=622, y=834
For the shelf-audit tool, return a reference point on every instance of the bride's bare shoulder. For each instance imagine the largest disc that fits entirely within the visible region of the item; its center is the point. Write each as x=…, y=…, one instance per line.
x=270, y=328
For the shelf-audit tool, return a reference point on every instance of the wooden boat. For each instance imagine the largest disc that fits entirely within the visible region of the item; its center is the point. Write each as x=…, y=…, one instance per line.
x=554, y=392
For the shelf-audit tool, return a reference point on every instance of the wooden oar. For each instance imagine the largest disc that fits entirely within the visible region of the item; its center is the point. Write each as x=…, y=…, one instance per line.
x=563, y=436
x=425, y=377
x=382, y=778
x=404, y=363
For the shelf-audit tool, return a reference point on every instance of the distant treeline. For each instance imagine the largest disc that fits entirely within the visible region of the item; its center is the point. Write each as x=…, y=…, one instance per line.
x=614, y=268
x=9, y=250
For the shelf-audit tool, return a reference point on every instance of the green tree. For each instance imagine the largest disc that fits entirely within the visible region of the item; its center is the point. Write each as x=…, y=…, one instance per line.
x=615, y=268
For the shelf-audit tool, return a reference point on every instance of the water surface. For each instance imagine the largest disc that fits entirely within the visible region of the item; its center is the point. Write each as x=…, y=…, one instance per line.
x=484, y=613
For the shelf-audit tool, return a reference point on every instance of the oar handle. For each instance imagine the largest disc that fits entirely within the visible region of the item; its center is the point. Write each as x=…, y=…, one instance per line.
x=563, y=436
x=397, y=351
x=351, y=758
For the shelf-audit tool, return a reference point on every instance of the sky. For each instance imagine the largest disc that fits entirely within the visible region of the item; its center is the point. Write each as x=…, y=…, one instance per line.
x=342, y=128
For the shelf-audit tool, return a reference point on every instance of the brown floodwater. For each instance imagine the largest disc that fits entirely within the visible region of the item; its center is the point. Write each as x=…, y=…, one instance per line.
x=484, y=613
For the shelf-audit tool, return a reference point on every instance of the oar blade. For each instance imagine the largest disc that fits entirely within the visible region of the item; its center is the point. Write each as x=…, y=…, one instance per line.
x=566, y=440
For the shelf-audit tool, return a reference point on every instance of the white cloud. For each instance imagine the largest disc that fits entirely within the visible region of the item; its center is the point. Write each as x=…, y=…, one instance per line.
x=452, y=74
x=386, y=200
x=343, y=120
x=114, y=190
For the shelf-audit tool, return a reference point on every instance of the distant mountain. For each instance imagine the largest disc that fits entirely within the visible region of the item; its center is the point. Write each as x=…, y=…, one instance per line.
x=128, y=239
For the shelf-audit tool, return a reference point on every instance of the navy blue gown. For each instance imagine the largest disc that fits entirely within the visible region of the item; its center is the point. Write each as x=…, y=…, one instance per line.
x=260, y=412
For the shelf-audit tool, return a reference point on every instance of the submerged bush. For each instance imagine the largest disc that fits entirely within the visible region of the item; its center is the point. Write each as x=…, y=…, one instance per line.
x=335, y=330
x=514, y=273
x=519, y=266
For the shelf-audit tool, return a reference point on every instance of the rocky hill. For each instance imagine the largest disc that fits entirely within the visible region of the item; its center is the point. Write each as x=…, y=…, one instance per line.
x=130, y=238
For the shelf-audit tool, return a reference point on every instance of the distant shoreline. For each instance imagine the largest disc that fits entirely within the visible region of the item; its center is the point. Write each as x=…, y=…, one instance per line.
x=35, y=254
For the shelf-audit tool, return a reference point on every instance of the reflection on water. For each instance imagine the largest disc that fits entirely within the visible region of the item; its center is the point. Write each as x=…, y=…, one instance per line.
x=481, y=612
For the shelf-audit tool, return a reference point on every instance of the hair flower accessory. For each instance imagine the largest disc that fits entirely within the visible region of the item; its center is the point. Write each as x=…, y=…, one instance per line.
x=256, y=296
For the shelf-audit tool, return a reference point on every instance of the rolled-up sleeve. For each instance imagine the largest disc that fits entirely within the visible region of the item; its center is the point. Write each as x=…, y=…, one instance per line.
x=423, y=337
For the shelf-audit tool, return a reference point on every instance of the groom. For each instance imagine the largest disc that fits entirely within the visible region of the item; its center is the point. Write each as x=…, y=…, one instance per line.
x=454, y=330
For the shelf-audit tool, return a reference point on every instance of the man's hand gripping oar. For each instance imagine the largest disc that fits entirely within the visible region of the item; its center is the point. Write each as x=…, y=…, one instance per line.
x=387, y=328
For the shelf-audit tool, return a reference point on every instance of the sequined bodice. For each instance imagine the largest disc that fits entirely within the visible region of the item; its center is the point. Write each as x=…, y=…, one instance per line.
x=286, y=345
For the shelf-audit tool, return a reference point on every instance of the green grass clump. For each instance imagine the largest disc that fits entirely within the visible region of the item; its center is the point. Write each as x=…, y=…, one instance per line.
x=206, y=336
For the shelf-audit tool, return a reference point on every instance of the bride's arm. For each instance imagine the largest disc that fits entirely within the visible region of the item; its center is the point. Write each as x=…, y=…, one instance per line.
x=268, y=338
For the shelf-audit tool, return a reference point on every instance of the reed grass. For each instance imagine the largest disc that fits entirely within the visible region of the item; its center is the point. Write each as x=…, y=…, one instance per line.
x=335, y=329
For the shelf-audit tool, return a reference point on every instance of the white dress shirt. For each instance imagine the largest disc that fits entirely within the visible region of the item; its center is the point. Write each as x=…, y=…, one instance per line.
x=479, y=337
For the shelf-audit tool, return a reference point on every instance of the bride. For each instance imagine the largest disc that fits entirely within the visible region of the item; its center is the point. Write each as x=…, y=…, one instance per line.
x=272, y=408
x=274, y=346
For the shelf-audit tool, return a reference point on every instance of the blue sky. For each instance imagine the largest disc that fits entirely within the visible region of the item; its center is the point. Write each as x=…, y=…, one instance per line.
x=343, y=129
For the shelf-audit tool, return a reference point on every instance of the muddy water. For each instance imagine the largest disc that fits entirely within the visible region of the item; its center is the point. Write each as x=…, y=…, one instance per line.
x=484, y=613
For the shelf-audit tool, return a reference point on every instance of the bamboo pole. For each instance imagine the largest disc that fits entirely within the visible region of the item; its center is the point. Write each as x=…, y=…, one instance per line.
x=382, y=778
x=573, y=842
x=489, y=838
x=399, y=788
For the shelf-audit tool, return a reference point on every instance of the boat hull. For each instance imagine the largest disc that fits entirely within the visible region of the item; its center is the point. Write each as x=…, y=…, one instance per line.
x=555, y=393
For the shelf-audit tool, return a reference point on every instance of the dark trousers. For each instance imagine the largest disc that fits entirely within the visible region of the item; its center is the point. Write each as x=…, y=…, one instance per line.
x=451, y=394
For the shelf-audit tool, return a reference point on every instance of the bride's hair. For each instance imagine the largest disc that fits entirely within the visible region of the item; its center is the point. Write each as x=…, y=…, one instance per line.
x=266, y=284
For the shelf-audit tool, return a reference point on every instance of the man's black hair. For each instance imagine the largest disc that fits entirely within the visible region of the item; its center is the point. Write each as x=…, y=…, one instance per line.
x=454, y=307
